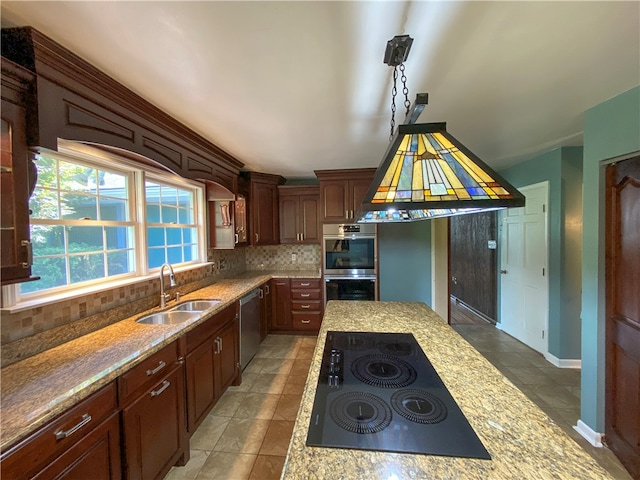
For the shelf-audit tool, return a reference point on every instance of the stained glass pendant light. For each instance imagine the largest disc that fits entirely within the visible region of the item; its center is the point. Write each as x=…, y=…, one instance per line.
x=427, y=173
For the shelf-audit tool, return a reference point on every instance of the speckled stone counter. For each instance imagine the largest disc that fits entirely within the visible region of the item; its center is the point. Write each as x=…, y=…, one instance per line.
x=522, y=440
x=37, y=389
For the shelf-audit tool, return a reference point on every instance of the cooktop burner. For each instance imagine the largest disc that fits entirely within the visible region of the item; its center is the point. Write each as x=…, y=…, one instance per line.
x=378, y=391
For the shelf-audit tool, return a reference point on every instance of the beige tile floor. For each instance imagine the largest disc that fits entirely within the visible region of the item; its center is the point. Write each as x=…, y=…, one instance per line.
x=247, y=433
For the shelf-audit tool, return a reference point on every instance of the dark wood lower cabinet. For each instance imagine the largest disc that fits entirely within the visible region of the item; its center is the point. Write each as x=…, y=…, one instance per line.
x=201, y=390
x=153, y=428
x=297, y=305
x=281, y=312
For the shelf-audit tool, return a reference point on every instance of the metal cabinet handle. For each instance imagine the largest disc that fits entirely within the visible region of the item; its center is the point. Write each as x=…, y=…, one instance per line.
x=261, y=294
x=180, y=361
x=305, y=306
x=29, y=246
x=160, y=366
x=305, y=295
x=237, y=238
x=220, y=339
x=165, y=385
x=305, y=321
x=257, y=237
x=305, y=284
x=86, y=418
x=267, y=289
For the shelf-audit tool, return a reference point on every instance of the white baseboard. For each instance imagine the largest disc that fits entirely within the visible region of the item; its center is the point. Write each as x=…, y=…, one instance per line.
x=563, y=362
x=593, y=437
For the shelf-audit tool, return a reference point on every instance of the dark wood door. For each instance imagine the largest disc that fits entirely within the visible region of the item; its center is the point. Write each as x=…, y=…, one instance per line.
x=281, y=317
x=473, y=261
x=153, y=429
x=622, y=417
x=264, y=208
x=308, y=218
x=334, y=196
x=289, y=219
x=14, y=190
x=200, y=384
x=228, y=356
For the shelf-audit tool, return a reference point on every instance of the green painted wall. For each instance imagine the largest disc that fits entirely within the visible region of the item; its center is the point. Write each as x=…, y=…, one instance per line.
x=405, y=261
x=611, y=129
x=562, y=168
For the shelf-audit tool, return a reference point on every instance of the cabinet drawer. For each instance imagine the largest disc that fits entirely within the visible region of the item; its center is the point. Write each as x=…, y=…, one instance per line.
x=203, y=331
x=306, y=294
x=305, y=283
x=39, y=449
x=306, y=320
x=147, y=372
x=306, y=306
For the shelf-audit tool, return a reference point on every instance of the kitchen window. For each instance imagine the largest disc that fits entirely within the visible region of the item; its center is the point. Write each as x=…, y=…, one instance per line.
x=97, y=220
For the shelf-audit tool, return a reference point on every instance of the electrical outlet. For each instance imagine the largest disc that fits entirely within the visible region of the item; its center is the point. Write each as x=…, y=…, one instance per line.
x=294, y=257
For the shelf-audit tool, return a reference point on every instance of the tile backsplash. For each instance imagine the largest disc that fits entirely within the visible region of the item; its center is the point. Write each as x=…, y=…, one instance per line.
x=27, y=332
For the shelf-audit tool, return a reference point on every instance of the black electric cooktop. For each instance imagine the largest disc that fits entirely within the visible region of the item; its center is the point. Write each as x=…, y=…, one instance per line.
x=378, y=391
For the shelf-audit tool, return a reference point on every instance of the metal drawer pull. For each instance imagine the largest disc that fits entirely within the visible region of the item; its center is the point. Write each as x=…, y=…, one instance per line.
x=86, y=418
x=305, y=294
x=305, y=321
x=160, y=366
x=305, y=284
x=267, y=290
x=165, y=385
x=305, y=306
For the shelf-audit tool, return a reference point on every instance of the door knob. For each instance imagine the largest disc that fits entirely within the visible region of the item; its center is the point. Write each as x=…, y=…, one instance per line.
x=503, y=272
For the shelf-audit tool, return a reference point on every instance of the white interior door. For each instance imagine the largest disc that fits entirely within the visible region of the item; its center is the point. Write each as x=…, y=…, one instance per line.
x=524, y=293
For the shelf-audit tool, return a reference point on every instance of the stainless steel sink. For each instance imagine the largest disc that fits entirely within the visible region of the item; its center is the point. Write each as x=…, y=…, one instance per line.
x=196, y=306
x=170, y=317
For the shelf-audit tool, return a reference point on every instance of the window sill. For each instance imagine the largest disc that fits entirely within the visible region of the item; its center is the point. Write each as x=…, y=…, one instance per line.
x=81, y=292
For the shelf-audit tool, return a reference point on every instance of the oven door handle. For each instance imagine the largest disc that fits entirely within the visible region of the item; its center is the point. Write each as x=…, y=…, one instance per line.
x=328, y=278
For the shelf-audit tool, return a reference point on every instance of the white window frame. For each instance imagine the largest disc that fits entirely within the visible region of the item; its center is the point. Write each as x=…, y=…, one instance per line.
x=137, y=174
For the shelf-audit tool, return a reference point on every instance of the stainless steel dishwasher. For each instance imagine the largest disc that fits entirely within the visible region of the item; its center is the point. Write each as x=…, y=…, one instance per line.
x=249, y=326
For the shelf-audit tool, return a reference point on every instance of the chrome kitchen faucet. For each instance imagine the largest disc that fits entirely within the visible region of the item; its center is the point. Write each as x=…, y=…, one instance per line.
x=164, y=297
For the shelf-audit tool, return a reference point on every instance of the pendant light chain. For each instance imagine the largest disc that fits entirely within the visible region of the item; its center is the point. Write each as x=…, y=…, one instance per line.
x=394, y=92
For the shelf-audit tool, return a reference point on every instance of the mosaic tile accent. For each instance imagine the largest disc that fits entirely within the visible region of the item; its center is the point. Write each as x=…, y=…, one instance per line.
x=280, y=257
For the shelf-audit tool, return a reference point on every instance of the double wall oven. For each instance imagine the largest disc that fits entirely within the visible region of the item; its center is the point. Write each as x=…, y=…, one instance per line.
x=350, y=261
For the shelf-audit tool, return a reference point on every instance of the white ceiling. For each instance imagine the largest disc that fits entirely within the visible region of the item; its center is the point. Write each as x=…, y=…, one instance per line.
x=289, y=87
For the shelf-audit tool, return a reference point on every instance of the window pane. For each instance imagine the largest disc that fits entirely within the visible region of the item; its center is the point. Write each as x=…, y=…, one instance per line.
x=188, y=235
x=86, y=267
x=85, y=239
x=119, y=237
x=169, y=214
x=185, y=215
x=119, y=262
x=47, y=172
x=153, y=213
x=47, y=240
x=76, y=206
x=189, y=253
x=184, y=199
x=114, y=209
x=174, y=236
x=169, y=195
x=75, y=177
x=174, y=255
x=52, y=273
x=113, y=184
x=156, y=257
x=44, y=204
x=155, y=236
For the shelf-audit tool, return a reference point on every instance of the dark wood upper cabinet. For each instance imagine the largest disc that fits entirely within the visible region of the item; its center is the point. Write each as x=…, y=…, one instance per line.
x=17, y=175
x=342, y=192
x=299, y=214
x=75, y=101
x=264, y=228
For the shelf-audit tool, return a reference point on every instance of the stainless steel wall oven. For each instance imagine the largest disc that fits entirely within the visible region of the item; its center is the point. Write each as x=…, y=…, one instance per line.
x=349, y=261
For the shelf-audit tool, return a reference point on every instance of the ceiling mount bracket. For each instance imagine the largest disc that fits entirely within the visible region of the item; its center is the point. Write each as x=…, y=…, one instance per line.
x=397, y=50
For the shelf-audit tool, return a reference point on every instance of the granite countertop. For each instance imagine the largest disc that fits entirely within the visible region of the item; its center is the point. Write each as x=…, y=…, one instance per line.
x=521, y=439
x=37, y=389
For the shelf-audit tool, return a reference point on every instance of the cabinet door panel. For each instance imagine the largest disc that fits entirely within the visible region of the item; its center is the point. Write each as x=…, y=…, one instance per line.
x=289, y=220
x=281, y=318
x=264, y=209
x=358, y=190
x=334, y=197
x=152, y=429
x=200, y=384
x=310, y=227
x=228, y=356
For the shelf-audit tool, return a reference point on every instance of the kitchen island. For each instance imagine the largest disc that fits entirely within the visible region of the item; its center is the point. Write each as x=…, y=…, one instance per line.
x=521, y=439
